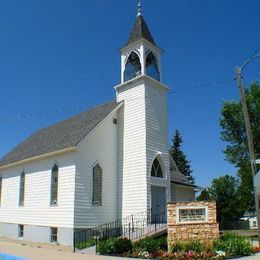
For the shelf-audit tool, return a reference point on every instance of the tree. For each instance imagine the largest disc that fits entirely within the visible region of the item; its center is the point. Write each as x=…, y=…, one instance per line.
x=234, y=133
x=204, y=195
x=224, y=190
x=180, y=158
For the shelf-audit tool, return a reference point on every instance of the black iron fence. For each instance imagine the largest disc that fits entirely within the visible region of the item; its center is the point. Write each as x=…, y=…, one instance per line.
x=132, y=227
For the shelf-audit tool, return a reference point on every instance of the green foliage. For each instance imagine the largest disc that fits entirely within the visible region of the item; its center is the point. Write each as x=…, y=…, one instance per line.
x=194, y=245
x=180, y=158
x=90, y=242
x=122, y=245
x=148, y=244
x=225, y=191
x=106, y=247
x=234, y=133
x=204, y=195
x=229, y=245
x=163, y=243
x=177, y=247
x=233, y=245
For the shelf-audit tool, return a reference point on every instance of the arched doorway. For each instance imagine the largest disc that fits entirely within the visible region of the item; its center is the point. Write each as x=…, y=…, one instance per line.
x=158, y=193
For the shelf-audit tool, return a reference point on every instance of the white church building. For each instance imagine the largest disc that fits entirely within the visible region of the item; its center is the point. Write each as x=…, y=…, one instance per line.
x=100, y=165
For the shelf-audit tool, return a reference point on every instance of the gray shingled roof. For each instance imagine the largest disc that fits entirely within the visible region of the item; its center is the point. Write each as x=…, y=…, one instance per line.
x=140, y=30
x=178, y=178
x=65, y=134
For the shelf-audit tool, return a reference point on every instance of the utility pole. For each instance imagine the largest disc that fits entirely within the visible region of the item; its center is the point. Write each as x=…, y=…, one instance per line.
x=249, y=140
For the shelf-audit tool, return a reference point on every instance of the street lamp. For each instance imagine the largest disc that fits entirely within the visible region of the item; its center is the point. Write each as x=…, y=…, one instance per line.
x=249, y=132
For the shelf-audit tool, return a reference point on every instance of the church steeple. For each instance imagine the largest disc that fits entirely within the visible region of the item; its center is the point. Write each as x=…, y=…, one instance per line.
x=140, y=29
x=142, y=128
x=140, y=56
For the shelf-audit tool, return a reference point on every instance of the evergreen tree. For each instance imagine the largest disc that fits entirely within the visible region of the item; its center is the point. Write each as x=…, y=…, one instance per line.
x=180, y=158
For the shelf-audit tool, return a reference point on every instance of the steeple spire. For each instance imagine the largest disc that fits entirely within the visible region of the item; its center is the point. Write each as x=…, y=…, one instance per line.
x=139, y=8
x=140, y=28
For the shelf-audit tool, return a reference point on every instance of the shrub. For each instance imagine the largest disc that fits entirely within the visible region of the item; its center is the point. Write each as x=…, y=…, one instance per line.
x=122, y=245
x=90, y=242
x=163, y=243
x=233, y=245
x=106, y=247
x=177, y=247
x=194, y=245
x=148, y=245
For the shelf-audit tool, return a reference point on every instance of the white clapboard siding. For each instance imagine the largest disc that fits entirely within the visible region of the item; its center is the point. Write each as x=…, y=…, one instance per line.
x=143, y=133
x=133, y=145
x=182, y=193
x=157, y=134
x=37, y=209
x=99, y=147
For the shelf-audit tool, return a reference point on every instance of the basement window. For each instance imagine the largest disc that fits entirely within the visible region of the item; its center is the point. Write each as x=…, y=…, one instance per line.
x=54, y=235
x=20, y=231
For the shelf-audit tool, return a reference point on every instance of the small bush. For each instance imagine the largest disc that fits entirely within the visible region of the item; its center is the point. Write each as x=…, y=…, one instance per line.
x=148, y=245
x=90, y=242
x=122, y=245
x=177, y=247
x=106, y=247
x=233, y=245
x=163, y=243
x=194, y=245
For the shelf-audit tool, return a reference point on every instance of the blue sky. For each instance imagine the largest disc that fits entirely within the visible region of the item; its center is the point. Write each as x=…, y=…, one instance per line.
x=62, y=54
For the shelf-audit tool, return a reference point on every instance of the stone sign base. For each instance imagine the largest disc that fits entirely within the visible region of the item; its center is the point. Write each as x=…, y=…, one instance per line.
x=189, y=221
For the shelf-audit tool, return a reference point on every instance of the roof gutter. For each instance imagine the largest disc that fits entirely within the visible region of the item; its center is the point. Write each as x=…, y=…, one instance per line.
x=39, y=157
x=187, y=184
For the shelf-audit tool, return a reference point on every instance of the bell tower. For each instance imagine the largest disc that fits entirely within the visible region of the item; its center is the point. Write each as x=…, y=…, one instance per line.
x=140, y=55
x=143, y=125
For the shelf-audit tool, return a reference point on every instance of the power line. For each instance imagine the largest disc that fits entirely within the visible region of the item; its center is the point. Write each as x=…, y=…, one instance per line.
x=82, y=108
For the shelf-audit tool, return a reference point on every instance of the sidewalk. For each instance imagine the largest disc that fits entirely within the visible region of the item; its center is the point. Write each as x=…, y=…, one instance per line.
x=34, y=251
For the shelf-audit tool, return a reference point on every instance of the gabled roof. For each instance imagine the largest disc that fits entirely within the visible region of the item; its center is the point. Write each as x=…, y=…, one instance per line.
x=177, y=177
x=140, y=30
x=62, y=135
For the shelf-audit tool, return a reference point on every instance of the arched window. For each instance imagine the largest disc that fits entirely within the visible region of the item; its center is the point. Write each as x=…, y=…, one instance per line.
x=22, y=187
x=152, y=67
x=54, y=184
x=156, y=169
x=132, y=67
x=97, y=186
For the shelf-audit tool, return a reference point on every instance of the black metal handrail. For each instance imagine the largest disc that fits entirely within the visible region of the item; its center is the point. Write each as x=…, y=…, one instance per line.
x=133, y=227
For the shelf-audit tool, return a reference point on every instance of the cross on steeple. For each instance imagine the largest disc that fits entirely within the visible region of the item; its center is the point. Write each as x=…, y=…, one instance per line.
x=139, y=8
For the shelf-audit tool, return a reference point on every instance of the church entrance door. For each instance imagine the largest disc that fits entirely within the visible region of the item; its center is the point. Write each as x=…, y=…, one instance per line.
x=158, y=202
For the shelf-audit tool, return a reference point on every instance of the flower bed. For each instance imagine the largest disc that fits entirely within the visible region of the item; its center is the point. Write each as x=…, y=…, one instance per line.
x=228, y=246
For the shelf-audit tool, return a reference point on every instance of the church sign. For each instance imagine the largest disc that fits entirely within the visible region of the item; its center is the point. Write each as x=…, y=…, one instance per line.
x=192, y=220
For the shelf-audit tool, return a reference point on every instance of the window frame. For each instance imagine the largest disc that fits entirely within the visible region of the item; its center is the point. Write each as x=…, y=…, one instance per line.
x=22, y=190
x=136, y=69
x=155, y=64
x=97, y=203
x=52, y=235
x=178, y=209
x=20, y=231
x=155, y=170
x=54, y=197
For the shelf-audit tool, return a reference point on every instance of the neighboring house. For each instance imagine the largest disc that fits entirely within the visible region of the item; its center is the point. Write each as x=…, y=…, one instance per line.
x=252, y=220
x=100, y=165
